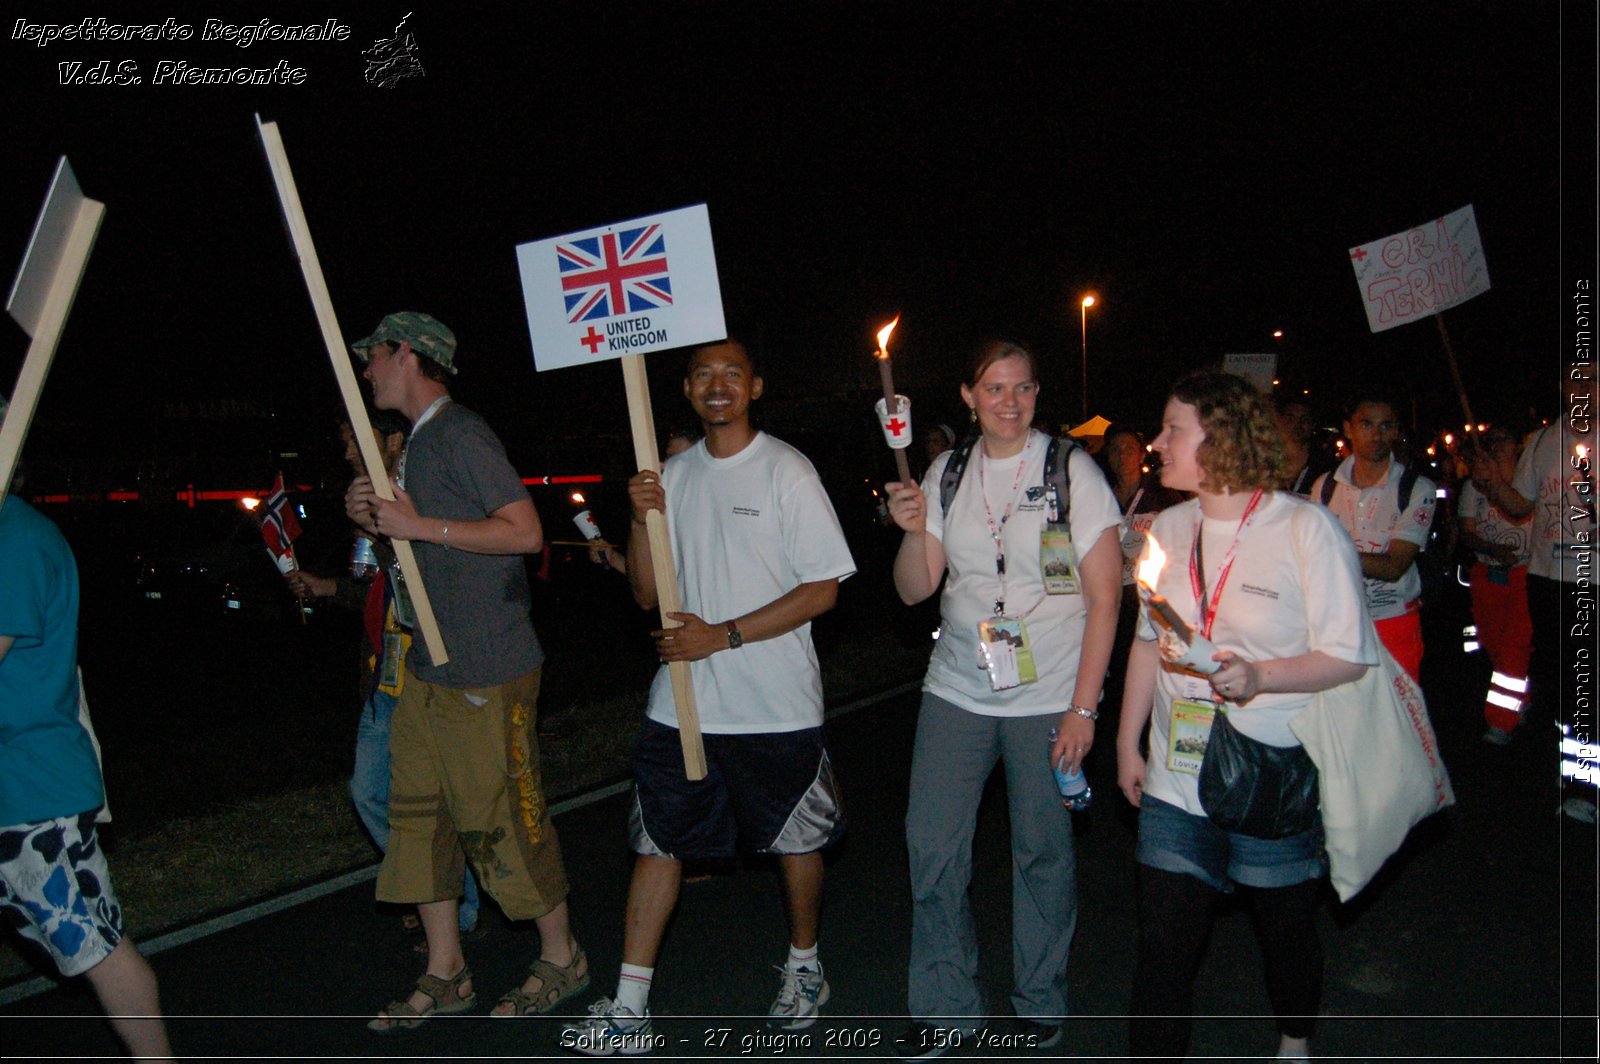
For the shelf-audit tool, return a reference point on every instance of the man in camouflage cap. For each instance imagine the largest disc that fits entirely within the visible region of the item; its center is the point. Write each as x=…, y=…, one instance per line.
x=464, y=753
x=426, y=334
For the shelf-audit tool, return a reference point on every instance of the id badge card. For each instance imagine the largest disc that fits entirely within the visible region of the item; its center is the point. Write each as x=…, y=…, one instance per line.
x=1005, y=654
x=391, y=667
x=404, y=614
x=1188, y=733
x=1056, y=562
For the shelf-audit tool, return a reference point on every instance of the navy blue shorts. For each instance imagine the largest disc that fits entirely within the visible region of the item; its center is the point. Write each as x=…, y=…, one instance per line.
x=770, y=792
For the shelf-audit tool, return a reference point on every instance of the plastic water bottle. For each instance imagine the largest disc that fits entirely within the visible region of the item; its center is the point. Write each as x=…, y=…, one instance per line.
x=363, y=561
x=1075, y=792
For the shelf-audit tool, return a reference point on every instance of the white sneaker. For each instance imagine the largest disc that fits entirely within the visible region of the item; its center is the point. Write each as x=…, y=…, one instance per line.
x=1580, y=809
x=803, y=992
x=610, y=1029
x=1497, y=736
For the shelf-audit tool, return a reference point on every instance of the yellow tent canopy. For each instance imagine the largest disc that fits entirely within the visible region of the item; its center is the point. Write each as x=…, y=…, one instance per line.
x=1095, y=426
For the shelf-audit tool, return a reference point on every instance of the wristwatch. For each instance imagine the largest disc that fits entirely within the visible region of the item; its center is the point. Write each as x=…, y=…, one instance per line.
x=735, y=638
x=1085, y=712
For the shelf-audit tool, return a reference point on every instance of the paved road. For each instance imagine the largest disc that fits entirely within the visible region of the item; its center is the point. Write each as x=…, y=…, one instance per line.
x=1474, y=942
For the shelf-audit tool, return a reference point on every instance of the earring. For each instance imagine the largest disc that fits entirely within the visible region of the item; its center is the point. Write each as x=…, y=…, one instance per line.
x=972, y=414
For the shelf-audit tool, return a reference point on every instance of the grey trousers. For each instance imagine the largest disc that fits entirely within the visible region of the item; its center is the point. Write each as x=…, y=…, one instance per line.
x=954, y=753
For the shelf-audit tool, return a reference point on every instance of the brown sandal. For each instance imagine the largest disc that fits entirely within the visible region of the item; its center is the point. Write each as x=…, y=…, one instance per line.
x=555, y=986
x=445, y=995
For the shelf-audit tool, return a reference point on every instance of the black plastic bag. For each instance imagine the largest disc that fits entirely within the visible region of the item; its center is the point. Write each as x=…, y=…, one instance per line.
x=1267, y=792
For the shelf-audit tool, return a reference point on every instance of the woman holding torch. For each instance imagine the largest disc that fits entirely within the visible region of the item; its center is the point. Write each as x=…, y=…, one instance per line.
x=1273, y=582
x=1027, y=618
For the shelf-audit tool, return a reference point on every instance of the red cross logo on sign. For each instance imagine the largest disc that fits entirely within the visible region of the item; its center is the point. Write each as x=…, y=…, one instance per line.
x=592, y=340
x=1358, y=254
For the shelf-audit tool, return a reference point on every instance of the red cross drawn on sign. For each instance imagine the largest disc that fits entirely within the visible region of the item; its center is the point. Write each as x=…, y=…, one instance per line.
x=895, y=425
x=1358, y=254
x=592, y=340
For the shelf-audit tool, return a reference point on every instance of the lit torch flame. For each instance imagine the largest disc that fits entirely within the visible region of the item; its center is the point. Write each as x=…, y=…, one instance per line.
x=1155, y=559
x=1581, y=450
x=577, y=498
x=883, y=337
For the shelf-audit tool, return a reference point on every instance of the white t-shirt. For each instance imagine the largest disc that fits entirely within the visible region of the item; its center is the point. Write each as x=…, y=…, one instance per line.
x=1054, y=623
x=1372, y=518
x=1493, y=525
x=747, y=530
x=1268, y=610
x=1563, y=517
x=1135, y=526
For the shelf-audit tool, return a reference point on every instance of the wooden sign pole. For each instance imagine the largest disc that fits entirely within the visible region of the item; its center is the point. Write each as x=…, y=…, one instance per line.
x=1455, y=370
x=349, y=388
x=46, y=334
x=668, y=600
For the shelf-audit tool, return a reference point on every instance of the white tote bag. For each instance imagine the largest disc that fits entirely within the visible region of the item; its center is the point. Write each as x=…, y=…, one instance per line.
x=1378, y=765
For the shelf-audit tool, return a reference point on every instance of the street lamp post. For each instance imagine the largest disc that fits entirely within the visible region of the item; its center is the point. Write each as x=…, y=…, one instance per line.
x=1088, y=301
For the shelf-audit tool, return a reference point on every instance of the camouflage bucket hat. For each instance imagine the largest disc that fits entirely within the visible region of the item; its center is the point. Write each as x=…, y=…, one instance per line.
x=426, y=334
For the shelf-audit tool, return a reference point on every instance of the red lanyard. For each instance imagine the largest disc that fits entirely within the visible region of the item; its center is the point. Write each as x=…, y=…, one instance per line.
x=996, y=531
x=1208, y=612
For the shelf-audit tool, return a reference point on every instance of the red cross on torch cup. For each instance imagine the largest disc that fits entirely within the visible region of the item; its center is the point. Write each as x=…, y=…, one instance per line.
x=890, y=404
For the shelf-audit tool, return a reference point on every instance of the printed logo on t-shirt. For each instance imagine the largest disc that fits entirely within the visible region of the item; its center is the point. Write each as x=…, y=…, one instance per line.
x=1036, y=493
x=747, y=511
x=1264, y=592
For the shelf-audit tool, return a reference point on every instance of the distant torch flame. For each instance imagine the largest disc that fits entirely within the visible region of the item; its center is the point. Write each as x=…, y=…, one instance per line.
x=1581, y=451
x=577, y=497
x=883, y=337
x=249, y=502
x=1155, y=559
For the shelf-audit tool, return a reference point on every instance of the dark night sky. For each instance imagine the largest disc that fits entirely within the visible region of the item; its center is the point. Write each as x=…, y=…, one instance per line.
x=1203, y=166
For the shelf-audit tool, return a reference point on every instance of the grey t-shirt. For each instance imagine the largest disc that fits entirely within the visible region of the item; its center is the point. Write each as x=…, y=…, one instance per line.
x=457, y=470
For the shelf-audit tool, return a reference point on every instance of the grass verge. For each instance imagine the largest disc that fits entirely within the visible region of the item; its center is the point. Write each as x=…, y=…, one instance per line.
x=195, y=867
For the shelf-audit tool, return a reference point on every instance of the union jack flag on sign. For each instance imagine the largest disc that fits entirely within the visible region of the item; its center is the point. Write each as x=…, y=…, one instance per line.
x=616, y=273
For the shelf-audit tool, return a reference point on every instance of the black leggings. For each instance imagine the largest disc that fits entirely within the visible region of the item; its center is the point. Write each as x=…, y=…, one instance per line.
x=1176, y=912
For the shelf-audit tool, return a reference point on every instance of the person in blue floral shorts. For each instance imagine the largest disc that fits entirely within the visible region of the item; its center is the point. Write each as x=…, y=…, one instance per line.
x=55, y=889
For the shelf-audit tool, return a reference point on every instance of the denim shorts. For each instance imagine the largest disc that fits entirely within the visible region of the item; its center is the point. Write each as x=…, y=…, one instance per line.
x=1177, y=841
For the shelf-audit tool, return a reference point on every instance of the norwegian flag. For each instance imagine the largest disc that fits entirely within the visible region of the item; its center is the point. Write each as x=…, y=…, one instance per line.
x=279, y=525
x=616, y=273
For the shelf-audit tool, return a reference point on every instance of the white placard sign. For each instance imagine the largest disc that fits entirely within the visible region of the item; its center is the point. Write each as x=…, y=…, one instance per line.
x=625, y=289
x=45, y=248
x=1258, y=369
x=1412, y=275
x=41, y=297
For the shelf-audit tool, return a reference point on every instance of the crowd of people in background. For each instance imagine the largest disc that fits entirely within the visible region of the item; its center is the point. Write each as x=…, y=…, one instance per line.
x=1281, y=548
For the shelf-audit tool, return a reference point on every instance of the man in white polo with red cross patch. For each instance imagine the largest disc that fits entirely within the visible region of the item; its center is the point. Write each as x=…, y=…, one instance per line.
x=1388, y=511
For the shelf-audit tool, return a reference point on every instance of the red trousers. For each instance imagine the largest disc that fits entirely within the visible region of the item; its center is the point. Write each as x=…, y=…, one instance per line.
x=1403, y=636
x=1505, y=632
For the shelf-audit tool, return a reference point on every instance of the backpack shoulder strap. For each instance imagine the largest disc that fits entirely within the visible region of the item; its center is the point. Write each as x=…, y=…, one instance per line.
x=960, y=455
x=1327, y=488
x=1408, y=481
x=1058, y=474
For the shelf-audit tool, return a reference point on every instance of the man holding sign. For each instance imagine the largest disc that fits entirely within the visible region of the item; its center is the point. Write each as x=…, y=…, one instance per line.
x=464, y=753
x=760, y=554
